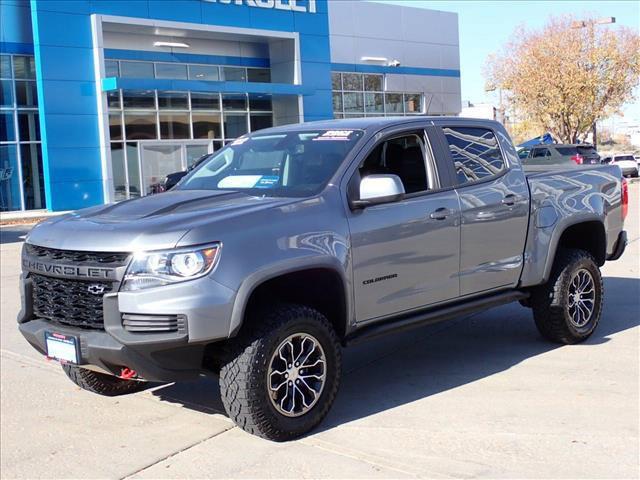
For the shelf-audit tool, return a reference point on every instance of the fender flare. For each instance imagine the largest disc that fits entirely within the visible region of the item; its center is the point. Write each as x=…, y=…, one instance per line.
x=269, y=272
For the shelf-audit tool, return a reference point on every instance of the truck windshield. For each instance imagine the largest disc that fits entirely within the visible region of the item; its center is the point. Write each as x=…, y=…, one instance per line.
x=288, y=164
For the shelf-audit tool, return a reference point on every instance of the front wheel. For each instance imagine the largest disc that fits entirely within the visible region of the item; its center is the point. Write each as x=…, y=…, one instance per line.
x=567, y=308
x=282, y=375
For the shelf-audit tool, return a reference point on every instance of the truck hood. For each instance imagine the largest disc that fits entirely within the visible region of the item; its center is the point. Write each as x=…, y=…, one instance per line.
x=149, y=223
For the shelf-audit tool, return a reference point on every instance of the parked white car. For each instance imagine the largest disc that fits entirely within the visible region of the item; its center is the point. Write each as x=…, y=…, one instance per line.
x=627, y=164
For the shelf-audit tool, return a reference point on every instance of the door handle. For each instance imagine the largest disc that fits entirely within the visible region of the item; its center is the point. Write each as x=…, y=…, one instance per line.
x=441, y=213
x=510, y=200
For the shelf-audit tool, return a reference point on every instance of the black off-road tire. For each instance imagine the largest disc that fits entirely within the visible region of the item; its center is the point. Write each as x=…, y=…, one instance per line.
x=101, y=383
x=244, y=372
x=550, y=302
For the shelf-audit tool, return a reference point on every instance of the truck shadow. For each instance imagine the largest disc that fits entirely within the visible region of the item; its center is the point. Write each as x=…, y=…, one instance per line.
x=399, y=369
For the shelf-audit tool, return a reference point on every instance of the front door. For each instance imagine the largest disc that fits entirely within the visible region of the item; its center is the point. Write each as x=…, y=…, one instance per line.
x=405, y=254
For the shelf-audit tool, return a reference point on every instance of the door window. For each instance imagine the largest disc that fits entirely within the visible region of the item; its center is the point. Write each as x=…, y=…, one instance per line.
x=476, y=153
x=402, y=156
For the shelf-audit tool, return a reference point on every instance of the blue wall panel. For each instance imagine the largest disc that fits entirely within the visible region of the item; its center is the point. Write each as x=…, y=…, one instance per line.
x=15, y=22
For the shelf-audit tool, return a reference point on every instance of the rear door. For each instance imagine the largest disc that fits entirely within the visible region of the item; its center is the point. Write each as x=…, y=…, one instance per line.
x=539, y=156
x=405, y=253
x=494, y=203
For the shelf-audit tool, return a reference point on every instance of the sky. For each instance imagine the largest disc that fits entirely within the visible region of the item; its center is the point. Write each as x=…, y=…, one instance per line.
x=486, y=26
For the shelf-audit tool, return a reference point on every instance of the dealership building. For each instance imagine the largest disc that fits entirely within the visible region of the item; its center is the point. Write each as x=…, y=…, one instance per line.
x=101, y=99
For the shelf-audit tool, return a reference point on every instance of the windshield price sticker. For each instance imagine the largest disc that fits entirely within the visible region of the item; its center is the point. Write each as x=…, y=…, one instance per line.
x=268, y=181
x=338, y=135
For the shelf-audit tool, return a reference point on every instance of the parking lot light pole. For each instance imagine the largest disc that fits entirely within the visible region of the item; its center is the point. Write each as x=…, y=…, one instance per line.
x=591, y=24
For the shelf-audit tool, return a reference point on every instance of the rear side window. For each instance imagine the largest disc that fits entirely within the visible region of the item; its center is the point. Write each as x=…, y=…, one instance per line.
x=567, y=151
x=475, y=151
x=622, y=158
x=587, y=151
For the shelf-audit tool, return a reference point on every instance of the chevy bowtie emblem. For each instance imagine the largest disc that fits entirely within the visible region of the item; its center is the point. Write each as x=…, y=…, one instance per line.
x=96, y=289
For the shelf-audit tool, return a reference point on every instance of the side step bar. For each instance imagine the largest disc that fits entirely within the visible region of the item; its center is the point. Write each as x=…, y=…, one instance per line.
x=426, y=317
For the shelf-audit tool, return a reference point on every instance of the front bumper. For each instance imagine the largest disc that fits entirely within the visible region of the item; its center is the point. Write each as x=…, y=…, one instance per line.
x=204, y=304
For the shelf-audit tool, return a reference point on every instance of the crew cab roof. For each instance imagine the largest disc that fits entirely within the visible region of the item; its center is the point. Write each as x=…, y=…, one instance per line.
x=371, y=123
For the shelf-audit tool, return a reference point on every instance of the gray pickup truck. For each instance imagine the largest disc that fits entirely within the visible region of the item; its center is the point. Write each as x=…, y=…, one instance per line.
x=292, y=242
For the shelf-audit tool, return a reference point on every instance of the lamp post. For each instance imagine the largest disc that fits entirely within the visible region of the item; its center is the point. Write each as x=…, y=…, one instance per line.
x=590, y=24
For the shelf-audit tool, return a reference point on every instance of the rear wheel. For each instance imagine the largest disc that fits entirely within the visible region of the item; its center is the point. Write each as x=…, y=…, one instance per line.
x=282, y=374
x=567, y=308
x=101, y=383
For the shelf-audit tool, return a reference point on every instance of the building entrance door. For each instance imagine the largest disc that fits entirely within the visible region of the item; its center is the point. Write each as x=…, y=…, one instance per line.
x=160, y=159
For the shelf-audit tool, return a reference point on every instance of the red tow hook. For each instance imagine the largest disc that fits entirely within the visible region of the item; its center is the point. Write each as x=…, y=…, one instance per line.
x=127, y=373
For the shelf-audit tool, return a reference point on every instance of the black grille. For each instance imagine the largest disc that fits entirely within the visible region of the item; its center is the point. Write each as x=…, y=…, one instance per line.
x=73, y=256
x=69, y=302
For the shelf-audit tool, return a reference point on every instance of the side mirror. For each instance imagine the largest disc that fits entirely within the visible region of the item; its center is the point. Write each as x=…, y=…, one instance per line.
x=377, y=189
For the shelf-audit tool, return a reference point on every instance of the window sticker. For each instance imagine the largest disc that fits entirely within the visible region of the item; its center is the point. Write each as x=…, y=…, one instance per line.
x=239, y=181
x=239, y=141
x=335, y=135
x=267, y=181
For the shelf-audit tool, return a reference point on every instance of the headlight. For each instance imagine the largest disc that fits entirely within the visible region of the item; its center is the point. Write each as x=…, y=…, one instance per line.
x=154, y=269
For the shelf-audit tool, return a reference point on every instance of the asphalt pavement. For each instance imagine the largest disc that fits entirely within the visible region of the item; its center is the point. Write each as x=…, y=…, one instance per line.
x=483, y=396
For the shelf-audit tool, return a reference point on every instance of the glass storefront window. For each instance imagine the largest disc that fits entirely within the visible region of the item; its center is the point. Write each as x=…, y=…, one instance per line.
x=394, y=103
x=352, y=81
x=353, y=102
x=174, y=126
x=135, y=99
x=28, y=127
x=115, y=126
x=235, y=125
x=140, y=126
x=136, y=69
x=32, y=176
x=336, y=81
x=111, y=68
x=337, y=101
x=21, y=172
x=113, y=100
x=9, y=179
x=413, y=103
x=118, y=171
x=234, y=74
x=261, y=75
x=6, y=93
x=205, y=101
x=206, y=125
x=260, y=103
x=173, y=100
x=233, y=101
x=7, y=127
x=26, y=93
x=373, y=83
x=195, y=152
x=374, y=102
x=5, y=66
x=204, y=72
x=24, y=67
x=176, y=71
x=133, y=170
x=260, y=121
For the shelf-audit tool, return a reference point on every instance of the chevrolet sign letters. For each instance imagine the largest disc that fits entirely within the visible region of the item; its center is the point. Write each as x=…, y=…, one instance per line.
x=67, y=270
x=304, y=6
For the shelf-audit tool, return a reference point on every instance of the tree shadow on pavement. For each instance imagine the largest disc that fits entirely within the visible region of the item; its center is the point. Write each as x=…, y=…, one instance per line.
x=399, y=369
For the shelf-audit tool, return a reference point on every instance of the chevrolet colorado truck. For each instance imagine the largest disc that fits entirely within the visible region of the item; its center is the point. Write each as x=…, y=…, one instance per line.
x=293, y=242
